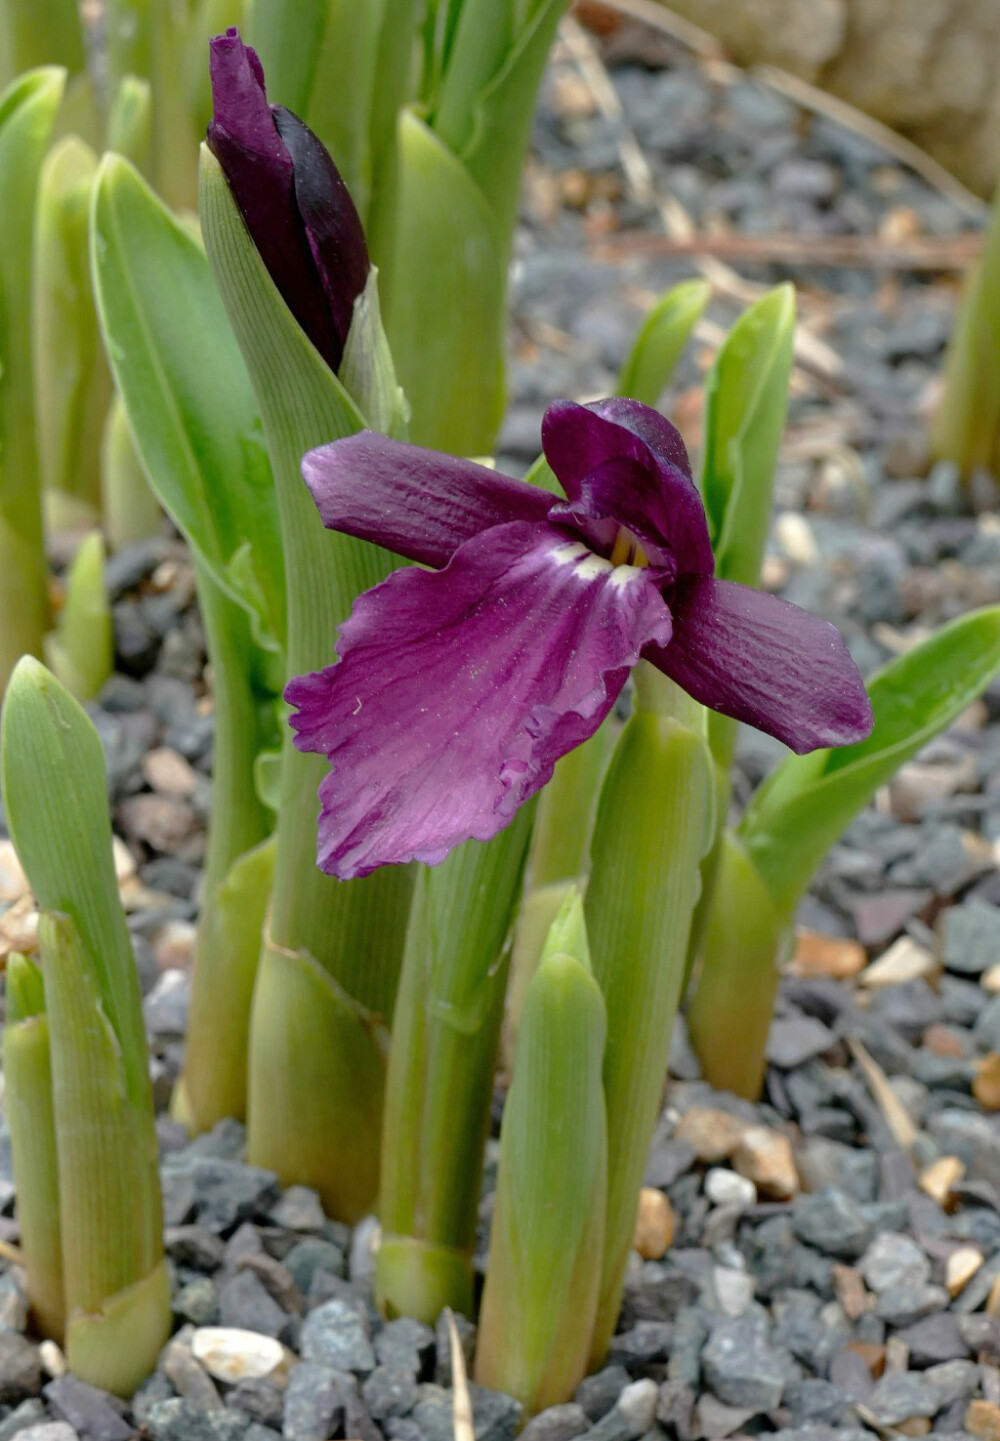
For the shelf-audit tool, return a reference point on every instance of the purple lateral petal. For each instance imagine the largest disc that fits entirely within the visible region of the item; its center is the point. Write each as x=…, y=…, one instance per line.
x=417, y=503
x=261, y=170
x=458, y=690
x=333, y=226
x=621, y=460
x=762, y=660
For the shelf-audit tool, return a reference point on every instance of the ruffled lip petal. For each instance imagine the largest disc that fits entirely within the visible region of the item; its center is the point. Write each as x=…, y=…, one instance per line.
x=762, y=660
x=458, y=690
x=417, y=503
x=619, y=460
x=298, y=247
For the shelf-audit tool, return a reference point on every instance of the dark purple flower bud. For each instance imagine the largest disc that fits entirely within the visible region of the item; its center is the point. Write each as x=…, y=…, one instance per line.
x=297, y=208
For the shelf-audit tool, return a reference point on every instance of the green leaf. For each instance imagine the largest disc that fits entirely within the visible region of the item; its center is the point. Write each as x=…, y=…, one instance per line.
x=81, y=649
x=543, y=1276
x=966, y=426
x=189, y=401
x=746, y=397
x=809, y=801
x=130, y=121
x=36, y=35
x=449, y=358
x=27, y=113
x=661, y=338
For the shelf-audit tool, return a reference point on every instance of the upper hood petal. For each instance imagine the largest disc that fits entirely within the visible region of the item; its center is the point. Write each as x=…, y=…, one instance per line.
x=619, y=460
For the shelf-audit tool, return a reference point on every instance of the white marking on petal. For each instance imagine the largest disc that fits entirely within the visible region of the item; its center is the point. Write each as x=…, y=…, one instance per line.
x=593, y=567
x=571, y=551
x=623, y=575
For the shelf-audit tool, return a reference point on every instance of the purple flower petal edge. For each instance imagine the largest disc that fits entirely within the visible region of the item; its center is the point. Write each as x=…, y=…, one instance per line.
x=762, y=660
x=458, y=690
x=417, y=503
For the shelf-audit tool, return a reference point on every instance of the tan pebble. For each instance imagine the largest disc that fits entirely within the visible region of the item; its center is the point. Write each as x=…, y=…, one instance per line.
x=794, y=538
x=939, y=1179
x=849, y=1289
x=990, y=980
x=13, y=881
x=960, y=1268
x=125, y=866
x=904, y=961
x=713, y=1134
x=169, y=773
x=942, y=1040
x=231, y=1354
x=818, y=955
x=165, y=822
x=52, y=1359
x=766, y=1158
x=913, y=1426
x=872, y=1354
x=899, y=223
x=982, y=1419
x=916, y=785
x=897, y=1355
x=134, y=896
x=986, y=1084
x=173, y=945
x=655, y=1224
x=993, y=1300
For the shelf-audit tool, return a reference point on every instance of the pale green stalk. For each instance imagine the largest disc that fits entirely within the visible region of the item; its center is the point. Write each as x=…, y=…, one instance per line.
x=27, y=113
x=129, y=507
x=81, y=649
x=72, y=382
x=116, y=1285
x=439, y=1089
x=543, y=1276
x=33, y=35
x=966, y=425
x=27, y=1073
x=130, y=121
x=655, y=823
x=238, y=869
x=660, y=341
x=743, y=945
x=330, y=962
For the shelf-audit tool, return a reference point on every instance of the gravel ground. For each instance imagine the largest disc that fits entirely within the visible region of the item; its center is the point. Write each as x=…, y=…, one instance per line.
x=799, y=1273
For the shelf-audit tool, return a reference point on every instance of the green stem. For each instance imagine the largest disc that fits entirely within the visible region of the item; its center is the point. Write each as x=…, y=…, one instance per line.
x=27, y=112
x=729, y=1016
x=237, y=876
x=444, y=1040
x=654, y=825
x=27, y=1070
x=33, y=35
x=331, y=963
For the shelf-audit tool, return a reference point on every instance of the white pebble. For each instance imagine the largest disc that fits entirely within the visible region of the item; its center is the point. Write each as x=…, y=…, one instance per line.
x=727, y=1188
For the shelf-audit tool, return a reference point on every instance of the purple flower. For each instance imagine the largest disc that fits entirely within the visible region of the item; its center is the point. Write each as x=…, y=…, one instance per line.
x=297, y=209
x=458, y=688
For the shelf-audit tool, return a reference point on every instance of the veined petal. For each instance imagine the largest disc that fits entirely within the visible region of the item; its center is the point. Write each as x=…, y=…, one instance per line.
x=458, y=690
x=621, y=460
x=762, y=660
x=417, y=503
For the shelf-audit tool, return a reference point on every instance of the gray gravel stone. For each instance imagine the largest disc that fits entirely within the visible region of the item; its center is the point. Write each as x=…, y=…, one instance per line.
x=406, y=1343
x=793, y=1040
x=834, y=1223
x=987, y=1027
x=814, y=1401
x=92, y=1413
x=49, y=1431
x=29, y=1413
x=892, y=1260
x=904, y=1304
x=970, y=937
x=314, y=1408
x=557, y=1423
x=390, y=1391
x=181, y=1420
x=742, y=1367
x=260, y=1400
x=900, y=1395
x=495, y=1417
x=717, y=1420
x=223, y=1191
x=194, y=1246
x=597, y=1394
x=644, y=1343
x=197, y=1302
x=312, y=1255
x=247, y=1305
x=937, y=1338
x=20, y=1368
x=299, y=1209
x=336, y=1335
x=954, y=1381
